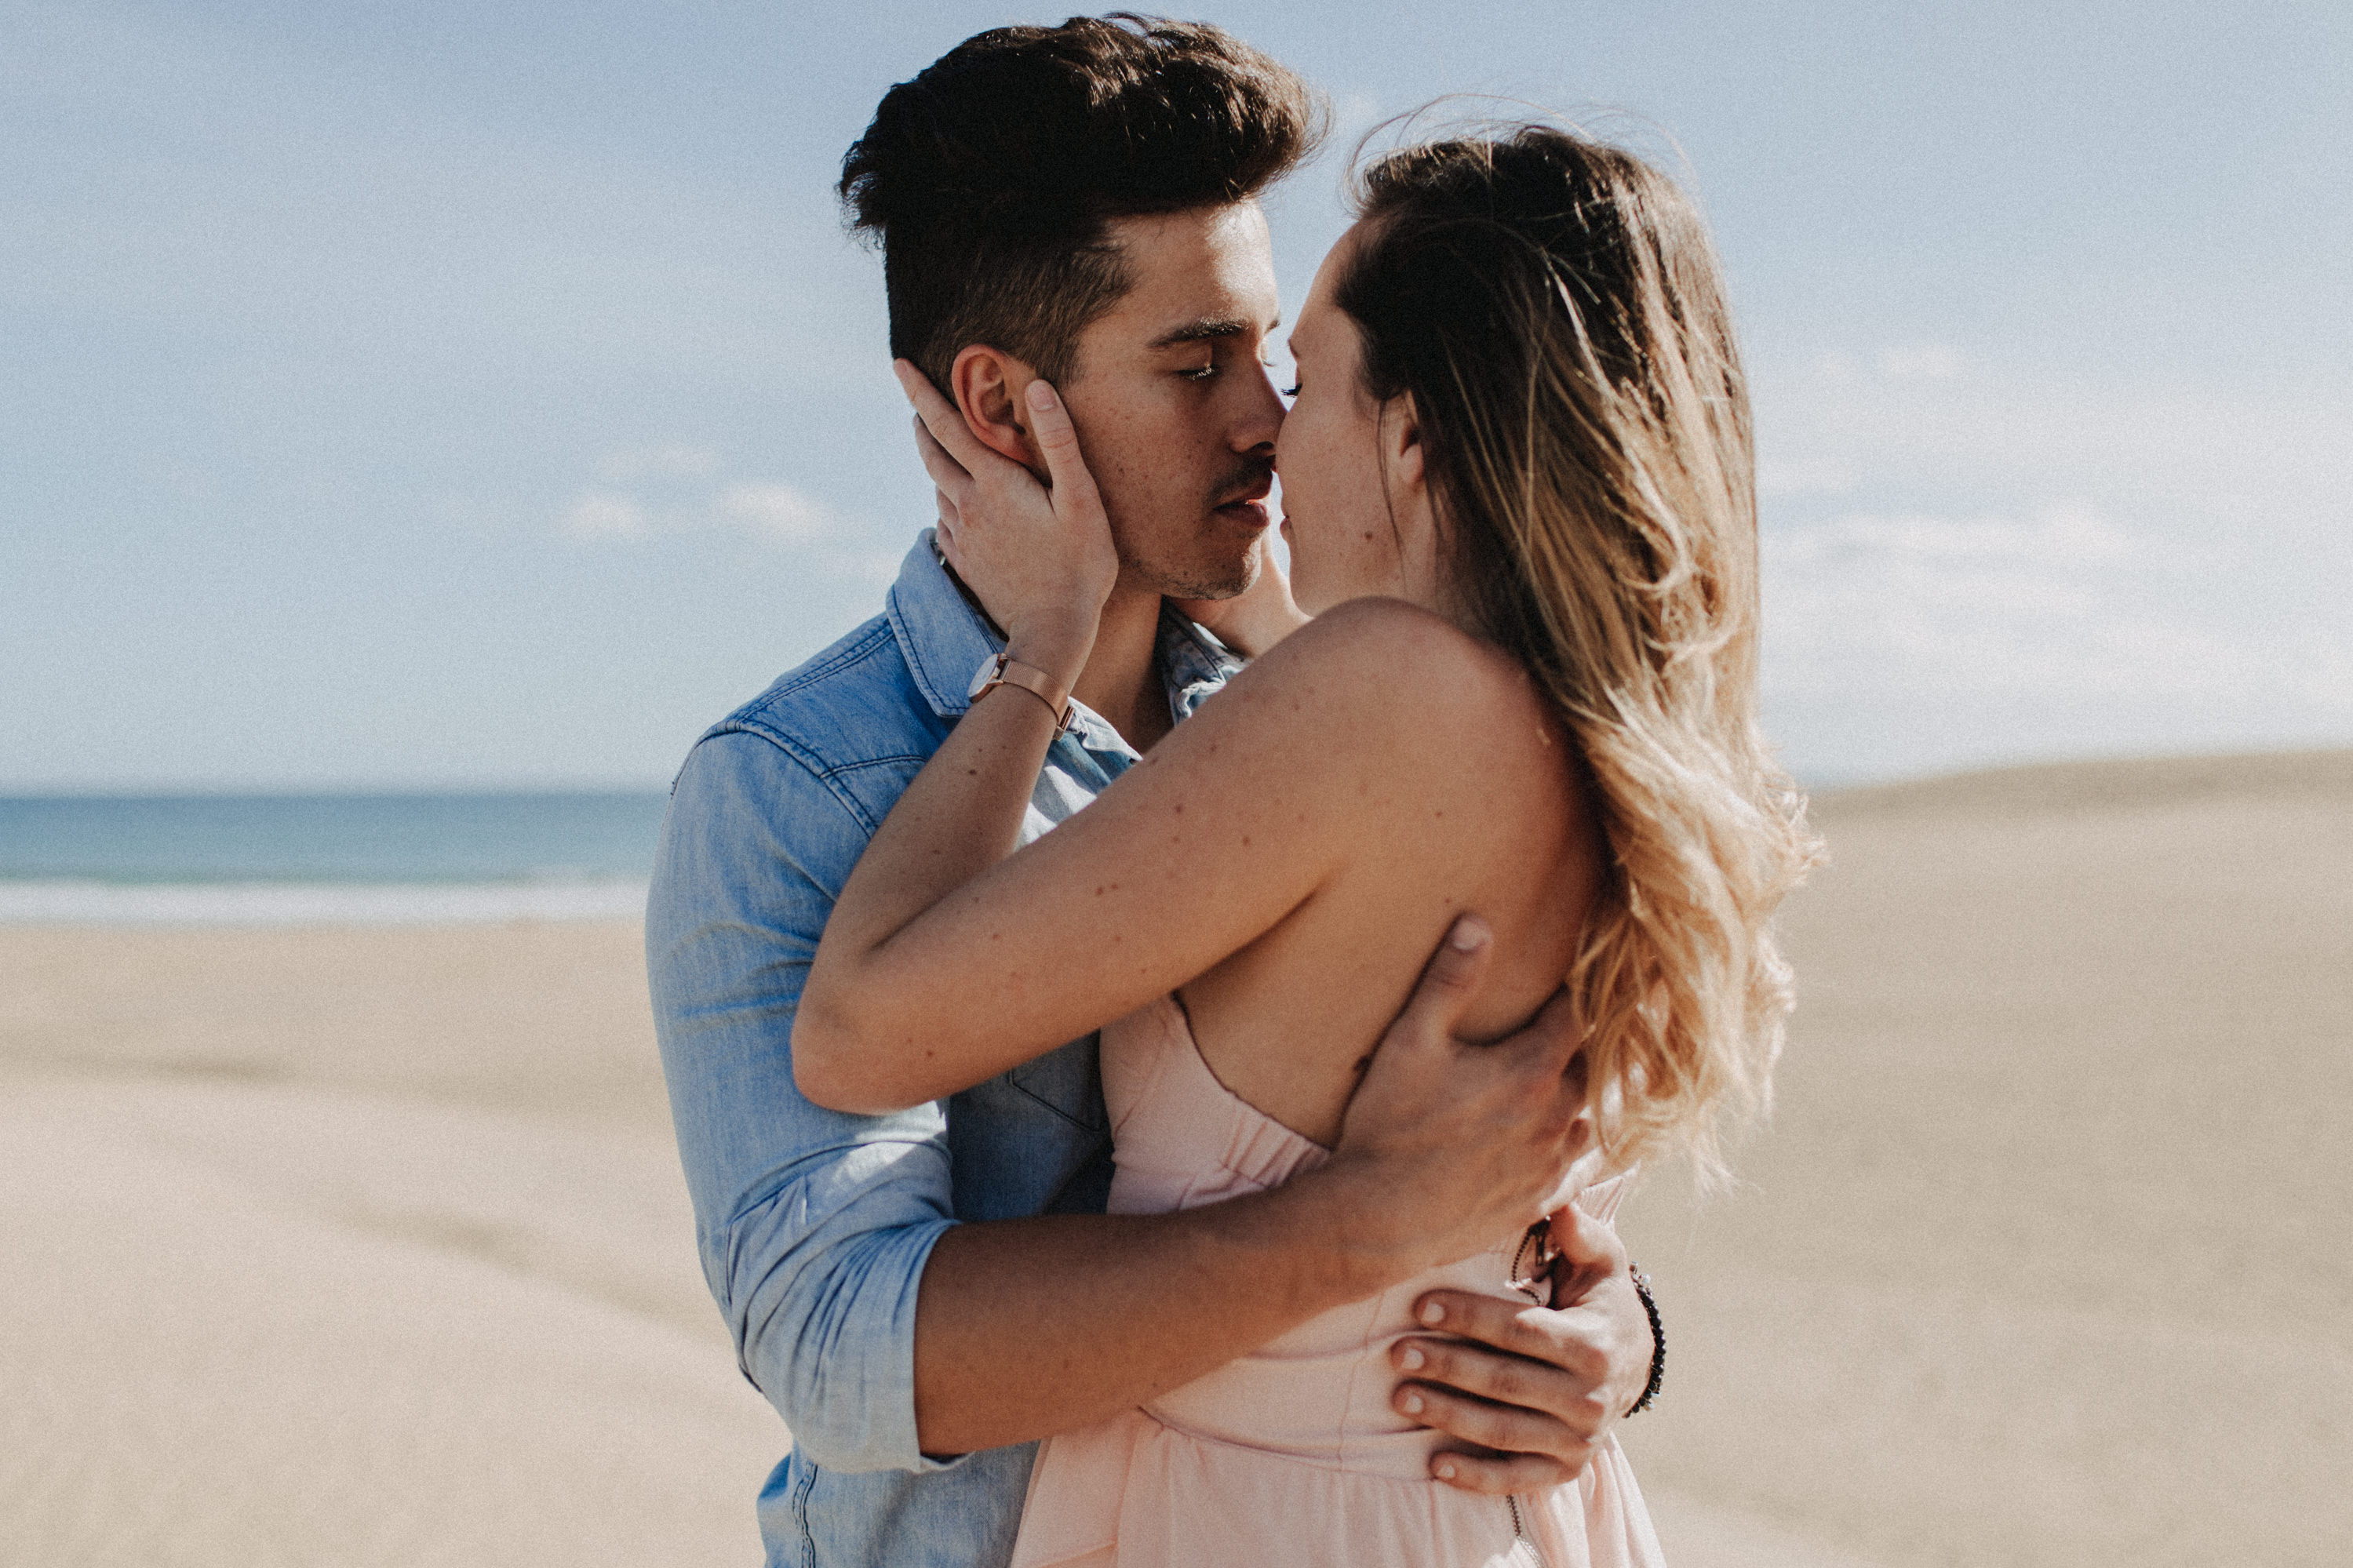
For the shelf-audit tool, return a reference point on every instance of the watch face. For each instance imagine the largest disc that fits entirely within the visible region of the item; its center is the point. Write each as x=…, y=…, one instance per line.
x=990, y=669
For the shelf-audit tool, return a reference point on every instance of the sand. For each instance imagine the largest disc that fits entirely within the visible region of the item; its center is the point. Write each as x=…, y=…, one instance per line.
x=369, y=1246
x=353, y=1247
x=2044, y=1258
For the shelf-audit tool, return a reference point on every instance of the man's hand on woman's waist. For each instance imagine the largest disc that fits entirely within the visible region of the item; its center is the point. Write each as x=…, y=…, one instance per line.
x=1531, y=1390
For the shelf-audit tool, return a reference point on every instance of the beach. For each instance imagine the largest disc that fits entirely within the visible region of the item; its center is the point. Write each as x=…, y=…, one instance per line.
x=367, y=1244
x=354, y=1246
x=2042, y=1257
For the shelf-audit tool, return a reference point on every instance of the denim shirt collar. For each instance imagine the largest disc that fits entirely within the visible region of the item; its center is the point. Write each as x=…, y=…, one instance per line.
x=944, y=640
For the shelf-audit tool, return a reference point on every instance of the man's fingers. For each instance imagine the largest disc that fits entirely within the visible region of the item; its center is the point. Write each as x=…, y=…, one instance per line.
x=1451, y=979
x=1585, y=1244
x=951, y=548
x=1519, y=1328
x=1505, y=1428
x=1501, y=1475
x=947, y=473
x=1057, y=442
x=942, y=419
x=1574, y=1401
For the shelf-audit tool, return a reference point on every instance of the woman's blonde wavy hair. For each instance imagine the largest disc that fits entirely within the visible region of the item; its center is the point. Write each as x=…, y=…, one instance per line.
x=1553, y=307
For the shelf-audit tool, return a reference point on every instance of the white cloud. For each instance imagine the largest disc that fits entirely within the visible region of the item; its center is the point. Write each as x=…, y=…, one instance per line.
x=2019, y=627
x=875, y=567
x=2063, y=533
x=1965, y=560
x=2281, y=454
x=605, y=514
x=1876, y=603
x=669, y=501
x=1354, y=112
x=778, y=511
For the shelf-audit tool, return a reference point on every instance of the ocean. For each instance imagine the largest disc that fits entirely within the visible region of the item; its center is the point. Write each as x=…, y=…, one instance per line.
x=325, y=860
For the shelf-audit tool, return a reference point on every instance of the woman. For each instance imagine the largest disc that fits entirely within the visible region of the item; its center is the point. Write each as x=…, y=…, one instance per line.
x=1518, y=479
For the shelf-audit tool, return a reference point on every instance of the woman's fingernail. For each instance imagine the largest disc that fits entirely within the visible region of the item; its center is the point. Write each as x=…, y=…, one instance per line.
x=1410, y=1404
x=1433, y=1311
x=1445, y=1469
x=1466, y=935
x=1412, y=1360
x=1041, y=397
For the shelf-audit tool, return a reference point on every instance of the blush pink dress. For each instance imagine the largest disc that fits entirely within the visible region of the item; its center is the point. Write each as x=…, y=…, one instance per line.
x=1291, y=1457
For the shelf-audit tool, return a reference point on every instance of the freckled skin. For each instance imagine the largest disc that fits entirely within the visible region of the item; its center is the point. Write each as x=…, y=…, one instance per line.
x=1176, y=423
x=1292, y=936
x=1164, y=440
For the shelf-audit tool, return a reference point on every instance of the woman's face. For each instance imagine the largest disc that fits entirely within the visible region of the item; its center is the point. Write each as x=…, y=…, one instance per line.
x=1349, y=533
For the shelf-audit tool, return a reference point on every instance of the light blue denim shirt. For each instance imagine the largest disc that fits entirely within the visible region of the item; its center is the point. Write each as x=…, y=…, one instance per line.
x=813, y=1226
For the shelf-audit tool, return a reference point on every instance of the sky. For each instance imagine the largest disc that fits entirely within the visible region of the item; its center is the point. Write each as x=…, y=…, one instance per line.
x=428, y=395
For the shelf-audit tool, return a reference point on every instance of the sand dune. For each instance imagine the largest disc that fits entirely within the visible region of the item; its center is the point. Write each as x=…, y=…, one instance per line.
x=368, y=1247
x=353, y=1247
x=2042, y=1261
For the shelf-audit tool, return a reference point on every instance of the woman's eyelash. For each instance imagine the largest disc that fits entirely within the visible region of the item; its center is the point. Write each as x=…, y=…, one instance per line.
x=1292, y=390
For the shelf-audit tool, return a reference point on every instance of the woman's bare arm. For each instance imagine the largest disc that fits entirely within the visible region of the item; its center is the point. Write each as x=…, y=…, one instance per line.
x=945, y=962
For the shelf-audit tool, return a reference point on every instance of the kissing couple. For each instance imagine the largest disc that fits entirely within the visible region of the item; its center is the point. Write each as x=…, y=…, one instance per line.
x=1155, y=1070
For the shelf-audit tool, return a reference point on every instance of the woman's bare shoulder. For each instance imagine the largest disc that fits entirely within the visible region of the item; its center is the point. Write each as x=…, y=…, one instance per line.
x=1371, y=664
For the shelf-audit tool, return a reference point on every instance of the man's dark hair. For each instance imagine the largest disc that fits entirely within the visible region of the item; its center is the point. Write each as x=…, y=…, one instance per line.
x=991, y=179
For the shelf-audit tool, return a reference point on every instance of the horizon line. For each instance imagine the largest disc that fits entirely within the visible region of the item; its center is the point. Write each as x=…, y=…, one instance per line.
x=1824, y=781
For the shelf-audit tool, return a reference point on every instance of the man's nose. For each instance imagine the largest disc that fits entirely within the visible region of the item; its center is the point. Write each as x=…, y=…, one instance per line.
x=1262, y=419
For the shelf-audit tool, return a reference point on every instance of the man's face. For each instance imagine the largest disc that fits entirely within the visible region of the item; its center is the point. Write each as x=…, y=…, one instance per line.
x=1173, y=403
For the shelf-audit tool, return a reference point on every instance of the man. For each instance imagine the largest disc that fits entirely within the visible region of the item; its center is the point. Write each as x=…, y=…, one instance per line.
x=924, y=1295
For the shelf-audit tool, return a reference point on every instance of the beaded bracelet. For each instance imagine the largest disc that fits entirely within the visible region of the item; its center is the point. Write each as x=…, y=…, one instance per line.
x=1658, y=1342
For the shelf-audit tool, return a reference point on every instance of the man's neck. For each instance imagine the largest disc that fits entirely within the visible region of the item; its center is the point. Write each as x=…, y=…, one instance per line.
x=1121, y=679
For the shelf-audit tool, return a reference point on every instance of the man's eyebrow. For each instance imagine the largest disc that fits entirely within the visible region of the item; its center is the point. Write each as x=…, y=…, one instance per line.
x=1205, y=328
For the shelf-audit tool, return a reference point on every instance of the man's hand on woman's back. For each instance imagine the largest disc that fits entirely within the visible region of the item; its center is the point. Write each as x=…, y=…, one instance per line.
x=1470, y=1143
x=1462, y=1143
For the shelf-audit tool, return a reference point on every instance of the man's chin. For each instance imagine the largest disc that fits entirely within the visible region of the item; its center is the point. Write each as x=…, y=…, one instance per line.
x=1204, y=587
x=1226, y=578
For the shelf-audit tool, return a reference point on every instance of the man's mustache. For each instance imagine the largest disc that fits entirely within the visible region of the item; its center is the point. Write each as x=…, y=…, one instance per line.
x=1253, y=475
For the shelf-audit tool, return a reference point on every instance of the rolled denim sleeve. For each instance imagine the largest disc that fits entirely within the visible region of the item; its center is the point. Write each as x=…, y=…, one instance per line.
x=812, y=1225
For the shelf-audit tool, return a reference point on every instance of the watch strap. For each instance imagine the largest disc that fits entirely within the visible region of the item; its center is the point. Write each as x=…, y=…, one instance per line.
x=1029, y=679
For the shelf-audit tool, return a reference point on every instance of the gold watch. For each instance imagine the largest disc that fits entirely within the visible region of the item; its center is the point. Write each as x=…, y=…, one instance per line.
x=999, y=671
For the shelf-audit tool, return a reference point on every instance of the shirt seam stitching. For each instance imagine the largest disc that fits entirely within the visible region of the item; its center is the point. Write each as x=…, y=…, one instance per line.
x=808, y=762
x=856, y=652
x=1083, y=1126
x=940, y=699
x=800, y=1513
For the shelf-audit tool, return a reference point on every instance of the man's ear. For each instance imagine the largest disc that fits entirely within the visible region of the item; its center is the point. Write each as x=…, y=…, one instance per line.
x=988, y=384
